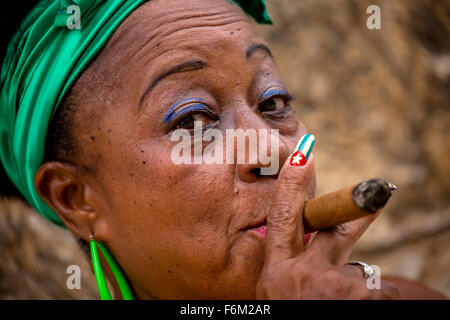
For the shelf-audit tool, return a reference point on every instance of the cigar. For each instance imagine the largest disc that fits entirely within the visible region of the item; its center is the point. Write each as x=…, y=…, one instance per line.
x=348, y=204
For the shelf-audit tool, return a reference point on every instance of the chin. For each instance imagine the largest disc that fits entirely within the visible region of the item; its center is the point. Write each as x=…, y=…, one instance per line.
x=243, y=269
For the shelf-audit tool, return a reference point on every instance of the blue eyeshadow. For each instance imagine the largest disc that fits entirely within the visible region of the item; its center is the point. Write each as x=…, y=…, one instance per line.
x=274, y=92
x=171, y=113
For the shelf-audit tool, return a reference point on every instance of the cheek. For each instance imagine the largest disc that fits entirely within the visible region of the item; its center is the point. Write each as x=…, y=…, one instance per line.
x=178, y=214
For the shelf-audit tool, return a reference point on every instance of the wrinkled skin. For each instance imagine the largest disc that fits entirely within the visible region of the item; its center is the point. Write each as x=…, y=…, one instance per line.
x=179, y=231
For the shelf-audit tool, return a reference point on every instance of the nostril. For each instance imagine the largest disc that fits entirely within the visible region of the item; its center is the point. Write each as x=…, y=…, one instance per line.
x=256, y=171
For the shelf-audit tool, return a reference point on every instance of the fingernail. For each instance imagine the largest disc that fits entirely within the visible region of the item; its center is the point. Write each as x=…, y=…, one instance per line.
x=303, y=150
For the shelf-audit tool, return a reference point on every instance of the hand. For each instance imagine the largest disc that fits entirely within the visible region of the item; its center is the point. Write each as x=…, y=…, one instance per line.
x=292, y=271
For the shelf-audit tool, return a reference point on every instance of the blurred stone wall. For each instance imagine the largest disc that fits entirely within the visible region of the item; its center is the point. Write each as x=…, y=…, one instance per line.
x=378, y=102
x=35, y=255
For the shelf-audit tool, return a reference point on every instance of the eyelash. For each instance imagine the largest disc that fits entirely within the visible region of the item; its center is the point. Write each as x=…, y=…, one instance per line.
x=275, y=92
x=272, y=94
x=196, y=108
x=177, y=117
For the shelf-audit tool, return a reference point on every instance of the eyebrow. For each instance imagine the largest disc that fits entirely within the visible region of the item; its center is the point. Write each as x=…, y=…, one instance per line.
x=257, y=46
x=189, y=65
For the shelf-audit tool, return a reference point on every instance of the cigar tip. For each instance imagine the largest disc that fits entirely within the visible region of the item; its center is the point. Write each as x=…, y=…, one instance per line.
x=373, y=194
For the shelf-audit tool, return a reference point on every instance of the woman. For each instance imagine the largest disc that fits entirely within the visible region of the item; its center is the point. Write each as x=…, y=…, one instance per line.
x=86, y=122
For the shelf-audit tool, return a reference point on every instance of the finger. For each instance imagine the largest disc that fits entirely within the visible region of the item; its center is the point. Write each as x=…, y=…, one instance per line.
x=386, y=290
x=284, y=236
x=335, y=245
x=390, y=290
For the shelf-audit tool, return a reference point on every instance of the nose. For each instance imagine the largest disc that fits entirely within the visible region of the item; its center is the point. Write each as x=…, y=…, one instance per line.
x=260, y=151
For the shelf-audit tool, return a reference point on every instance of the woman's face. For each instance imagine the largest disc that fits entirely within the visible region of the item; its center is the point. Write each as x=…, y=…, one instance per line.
x=183, y=230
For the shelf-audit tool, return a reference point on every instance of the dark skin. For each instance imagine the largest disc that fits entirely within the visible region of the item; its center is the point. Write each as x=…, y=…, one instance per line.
x=182, y=231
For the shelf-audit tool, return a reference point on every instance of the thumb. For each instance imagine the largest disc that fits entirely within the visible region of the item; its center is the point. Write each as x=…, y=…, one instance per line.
x=284, y=236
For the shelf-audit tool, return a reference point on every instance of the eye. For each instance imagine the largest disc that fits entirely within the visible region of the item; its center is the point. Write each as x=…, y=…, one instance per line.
x=188, y=121
x=184, y=116
x=273, y=104
x=274, y=101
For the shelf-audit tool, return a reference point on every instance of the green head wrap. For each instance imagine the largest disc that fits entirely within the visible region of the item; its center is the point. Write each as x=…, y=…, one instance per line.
x=43, y=61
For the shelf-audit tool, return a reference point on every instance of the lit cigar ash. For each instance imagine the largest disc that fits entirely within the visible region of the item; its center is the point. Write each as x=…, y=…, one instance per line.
x=332, y=209
x=372, y=195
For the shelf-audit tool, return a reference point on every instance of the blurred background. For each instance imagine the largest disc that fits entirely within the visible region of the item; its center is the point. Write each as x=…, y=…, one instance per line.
x=378, y=102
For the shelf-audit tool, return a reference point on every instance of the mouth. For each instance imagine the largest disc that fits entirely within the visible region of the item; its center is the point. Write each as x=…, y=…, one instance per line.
x=259, y=229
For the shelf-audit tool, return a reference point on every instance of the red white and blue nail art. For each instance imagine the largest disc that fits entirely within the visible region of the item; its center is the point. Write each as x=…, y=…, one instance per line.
x=303, y=150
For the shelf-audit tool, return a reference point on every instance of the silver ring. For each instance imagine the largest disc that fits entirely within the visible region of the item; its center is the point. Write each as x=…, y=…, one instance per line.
x=368, y=271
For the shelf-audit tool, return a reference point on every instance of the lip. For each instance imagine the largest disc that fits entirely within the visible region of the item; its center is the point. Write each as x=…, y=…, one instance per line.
x=260, y=232
x=257, y=228
x=306, y=238
x=258, y=223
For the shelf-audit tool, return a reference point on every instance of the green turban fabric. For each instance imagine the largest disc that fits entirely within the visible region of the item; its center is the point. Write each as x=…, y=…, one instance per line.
x=43, y=61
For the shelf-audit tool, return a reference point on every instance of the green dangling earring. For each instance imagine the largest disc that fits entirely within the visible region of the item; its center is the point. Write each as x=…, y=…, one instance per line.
x=125, y=289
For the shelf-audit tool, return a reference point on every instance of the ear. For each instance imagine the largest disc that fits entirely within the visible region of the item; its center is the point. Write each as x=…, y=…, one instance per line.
x=66, y=191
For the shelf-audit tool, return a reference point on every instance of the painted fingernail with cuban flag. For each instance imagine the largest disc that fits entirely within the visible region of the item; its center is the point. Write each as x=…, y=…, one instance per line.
x=303, y=150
